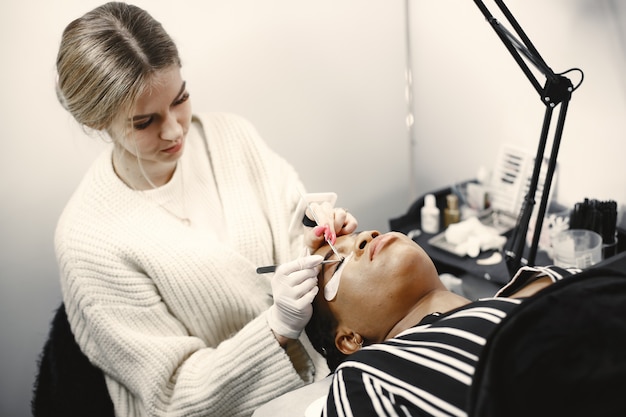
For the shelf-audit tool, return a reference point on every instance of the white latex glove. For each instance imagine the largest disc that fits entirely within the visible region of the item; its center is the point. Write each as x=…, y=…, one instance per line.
x=333, y=222
x=294, y=286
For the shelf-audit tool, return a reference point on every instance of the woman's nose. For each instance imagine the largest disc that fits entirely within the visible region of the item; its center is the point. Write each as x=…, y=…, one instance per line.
x=171, y=128
x=363, y=239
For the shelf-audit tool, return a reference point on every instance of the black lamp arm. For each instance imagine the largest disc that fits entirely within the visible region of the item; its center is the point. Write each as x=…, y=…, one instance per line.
x=556, y=90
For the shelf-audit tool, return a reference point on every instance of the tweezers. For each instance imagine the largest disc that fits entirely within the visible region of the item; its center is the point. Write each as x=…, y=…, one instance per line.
x=308, y=205
x=272, y=268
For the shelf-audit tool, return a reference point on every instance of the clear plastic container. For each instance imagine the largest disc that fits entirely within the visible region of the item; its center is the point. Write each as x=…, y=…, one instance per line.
x=577, y=248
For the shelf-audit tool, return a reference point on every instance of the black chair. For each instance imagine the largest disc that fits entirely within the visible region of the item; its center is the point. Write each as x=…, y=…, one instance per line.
x=67, y=384
x=562, y=353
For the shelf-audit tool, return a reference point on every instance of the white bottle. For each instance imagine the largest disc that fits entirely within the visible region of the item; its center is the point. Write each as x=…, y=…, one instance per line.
x=430, y=215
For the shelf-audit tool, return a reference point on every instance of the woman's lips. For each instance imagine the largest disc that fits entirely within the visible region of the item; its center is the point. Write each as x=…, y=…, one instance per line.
x=177, y=147
x=376, y=245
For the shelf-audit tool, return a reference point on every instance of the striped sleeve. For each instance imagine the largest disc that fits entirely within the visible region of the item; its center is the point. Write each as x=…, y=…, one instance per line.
x=425, y=371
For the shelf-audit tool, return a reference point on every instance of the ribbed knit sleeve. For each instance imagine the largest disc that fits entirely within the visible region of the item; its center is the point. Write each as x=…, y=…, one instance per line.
x=174, y=317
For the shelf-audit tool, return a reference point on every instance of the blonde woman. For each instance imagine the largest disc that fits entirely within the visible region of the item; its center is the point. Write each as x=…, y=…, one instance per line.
x=158, y=246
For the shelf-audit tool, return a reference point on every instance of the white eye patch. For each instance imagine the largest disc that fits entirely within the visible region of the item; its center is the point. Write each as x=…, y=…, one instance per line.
x=331, y=288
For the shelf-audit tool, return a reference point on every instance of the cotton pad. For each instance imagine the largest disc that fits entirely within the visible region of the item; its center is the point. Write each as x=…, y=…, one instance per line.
x=331, y=288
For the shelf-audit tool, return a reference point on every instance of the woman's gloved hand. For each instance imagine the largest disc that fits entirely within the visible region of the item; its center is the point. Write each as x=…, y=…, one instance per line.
x=333, y=222
x=294, y=286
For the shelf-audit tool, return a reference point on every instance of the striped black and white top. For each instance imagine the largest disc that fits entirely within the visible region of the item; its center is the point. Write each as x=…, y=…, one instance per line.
x=426, y=370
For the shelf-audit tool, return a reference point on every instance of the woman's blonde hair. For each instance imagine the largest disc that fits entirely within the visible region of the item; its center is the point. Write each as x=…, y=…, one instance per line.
x=107, y=58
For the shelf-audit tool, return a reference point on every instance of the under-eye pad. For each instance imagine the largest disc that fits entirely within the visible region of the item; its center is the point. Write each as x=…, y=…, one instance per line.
x=332, y=286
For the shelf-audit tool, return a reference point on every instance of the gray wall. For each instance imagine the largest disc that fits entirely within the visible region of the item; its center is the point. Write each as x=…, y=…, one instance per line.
x=324, y=83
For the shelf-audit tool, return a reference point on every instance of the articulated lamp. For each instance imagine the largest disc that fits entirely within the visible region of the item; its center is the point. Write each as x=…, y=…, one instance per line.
x=556, y=92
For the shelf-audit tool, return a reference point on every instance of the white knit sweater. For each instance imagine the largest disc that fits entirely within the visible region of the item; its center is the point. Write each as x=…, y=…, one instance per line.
x=174, y=315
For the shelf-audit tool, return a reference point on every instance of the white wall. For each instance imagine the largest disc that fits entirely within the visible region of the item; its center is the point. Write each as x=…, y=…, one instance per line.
x=323, y=82
x=472, y=97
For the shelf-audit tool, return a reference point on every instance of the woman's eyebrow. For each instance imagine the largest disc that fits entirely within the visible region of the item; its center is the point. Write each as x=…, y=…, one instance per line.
x=145, y=116
x=139, y=117
x=182, y=90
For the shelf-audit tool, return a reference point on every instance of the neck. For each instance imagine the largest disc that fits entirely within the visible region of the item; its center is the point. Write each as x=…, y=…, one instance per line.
x=438, y=300
x=141, y=175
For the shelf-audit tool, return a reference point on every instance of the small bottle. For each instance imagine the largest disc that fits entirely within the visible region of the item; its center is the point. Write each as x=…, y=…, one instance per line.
x=430, y=215
x=451, y=213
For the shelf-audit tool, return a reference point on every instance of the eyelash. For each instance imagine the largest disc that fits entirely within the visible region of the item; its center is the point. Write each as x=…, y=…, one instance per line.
x=148, y=122
x=144, y=125
x=182, y=99
x=338, y=265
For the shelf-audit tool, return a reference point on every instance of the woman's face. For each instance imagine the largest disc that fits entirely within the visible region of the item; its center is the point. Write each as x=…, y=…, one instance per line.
x=379, y=284
x=155, y=133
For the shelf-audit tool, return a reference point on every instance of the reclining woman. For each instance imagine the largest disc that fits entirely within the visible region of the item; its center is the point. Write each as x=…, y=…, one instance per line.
x=423, y=341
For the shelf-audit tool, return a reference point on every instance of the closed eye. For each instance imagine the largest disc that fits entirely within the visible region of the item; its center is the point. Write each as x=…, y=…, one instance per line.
x=143, y=124
x=182, y=99
x=333, y=267
x=183, y=95
x=338, y=265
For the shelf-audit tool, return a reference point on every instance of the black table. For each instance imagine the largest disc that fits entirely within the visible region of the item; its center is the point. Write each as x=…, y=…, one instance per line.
x=478, y=280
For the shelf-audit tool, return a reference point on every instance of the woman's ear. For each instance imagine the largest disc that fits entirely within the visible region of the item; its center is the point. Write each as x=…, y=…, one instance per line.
x=348, y=342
